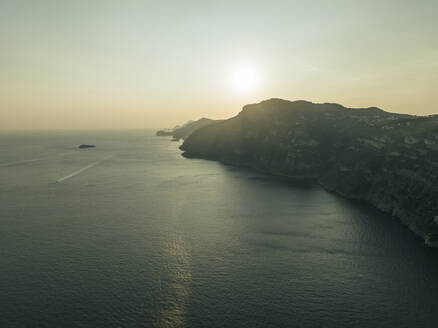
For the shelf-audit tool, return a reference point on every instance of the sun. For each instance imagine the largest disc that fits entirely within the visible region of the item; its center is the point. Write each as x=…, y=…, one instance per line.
x=245, y=79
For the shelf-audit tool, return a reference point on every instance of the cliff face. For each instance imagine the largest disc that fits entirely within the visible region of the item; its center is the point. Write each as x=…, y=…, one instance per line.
x=388, y=160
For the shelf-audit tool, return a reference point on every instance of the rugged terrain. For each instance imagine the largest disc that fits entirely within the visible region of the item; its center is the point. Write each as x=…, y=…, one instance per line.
x=388, y=160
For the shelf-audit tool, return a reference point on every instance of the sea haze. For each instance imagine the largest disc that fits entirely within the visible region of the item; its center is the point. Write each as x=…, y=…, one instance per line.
x=135, y=235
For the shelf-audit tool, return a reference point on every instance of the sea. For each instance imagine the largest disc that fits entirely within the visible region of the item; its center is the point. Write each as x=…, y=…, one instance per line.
x=132, y=234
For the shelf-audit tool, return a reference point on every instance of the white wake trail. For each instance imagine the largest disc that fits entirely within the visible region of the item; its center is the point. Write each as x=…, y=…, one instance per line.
x=71, y=175
x=20, y=162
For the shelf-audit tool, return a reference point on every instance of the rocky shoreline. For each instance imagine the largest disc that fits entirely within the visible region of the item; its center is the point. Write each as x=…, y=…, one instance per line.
x=384, y=159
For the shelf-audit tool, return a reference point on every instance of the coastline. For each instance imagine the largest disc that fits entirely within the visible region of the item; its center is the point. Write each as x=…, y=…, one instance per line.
x=402, y=216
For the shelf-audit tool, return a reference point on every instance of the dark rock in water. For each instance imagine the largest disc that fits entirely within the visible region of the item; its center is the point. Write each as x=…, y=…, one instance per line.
x=182, y=132
x=385, y=159
x=86, y=146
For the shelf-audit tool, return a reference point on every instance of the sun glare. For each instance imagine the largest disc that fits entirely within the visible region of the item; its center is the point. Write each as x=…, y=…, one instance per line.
x=245, y=79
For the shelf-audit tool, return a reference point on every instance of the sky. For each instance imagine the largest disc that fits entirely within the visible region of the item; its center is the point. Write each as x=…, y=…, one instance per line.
x=154, y=64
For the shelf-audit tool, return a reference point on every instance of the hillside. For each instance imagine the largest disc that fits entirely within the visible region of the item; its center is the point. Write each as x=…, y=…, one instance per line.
x=388, y=160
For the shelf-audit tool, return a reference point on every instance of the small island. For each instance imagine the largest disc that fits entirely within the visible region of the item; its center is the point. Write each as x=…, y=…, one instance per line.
x=84, y=146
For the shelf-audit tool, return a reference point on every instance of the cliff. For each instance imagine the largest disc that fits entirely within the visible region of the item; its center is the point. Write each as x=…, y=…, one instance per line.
x=388, y=160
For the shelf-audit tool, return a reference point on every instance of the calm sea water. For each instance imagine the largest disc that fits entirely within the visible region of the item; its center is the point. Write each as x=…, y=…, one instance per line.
x=146, y=238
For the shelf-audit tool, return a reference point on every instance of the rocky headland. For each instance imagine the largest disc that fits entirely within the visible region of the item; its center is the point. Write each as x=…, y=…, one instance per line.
x=387, y=160
x=182, y=132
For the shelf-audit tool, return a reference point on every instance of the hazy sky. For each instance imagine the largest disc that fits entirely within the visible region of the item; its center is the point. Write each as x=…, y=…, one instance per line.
x=119, y=64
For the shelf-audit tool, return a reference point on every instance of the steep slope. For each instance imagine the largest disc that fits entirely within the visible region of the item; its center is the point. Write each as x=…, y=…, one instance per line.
x=388, y=160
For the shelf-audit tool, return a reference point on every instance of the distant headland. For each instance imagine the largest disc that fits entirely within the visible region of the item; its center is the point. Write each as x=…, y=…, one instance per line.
x=182, y=132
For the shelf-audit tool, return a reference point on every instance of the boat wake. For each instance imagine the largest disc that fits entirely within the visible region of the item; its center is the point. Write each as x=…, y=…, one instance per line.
x=71, y=175
x=20, y=162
